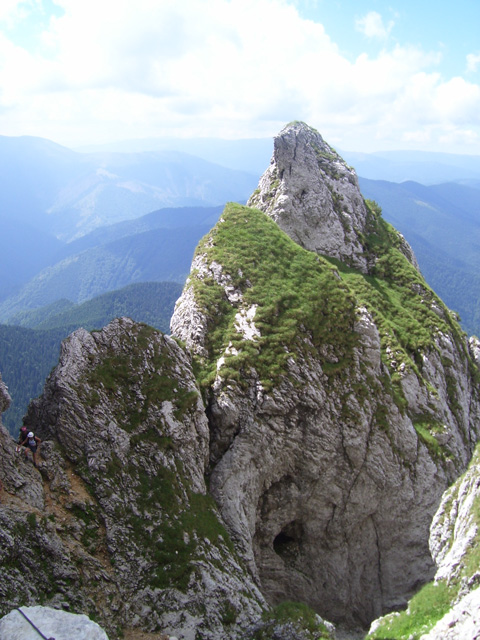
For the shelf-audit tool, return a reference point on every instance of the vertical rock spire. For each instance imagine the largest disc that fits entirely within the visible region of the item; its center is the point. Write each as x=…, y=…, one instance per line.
x=314, y=196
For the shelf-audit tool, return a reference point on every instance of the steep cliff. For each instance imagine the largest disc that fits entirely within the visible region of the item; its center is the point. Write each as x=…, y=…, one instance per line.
x=117, y=522
x=449, y=607
x=341, y=393
x=331, y=401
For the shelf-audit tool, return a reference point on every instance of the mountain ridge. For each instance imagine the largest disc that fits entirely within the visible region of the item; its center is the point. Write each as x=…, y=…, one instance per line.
x=292, y=440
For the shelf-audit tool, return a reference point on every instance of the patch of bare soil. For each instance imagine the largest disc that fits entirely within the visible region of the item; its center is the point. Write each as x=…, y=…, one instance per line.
x=133, y=634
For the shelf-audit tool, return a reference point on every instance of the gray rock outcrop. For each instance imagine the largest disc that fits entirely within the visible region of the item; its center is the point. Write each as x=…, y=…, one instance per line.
x=334, y=400
x=5, y=399
x=328, y=462
x=53, y=623
x=117, y=522
x=313, y=195
x=455, y=544
x=455, y=547
x=461, y=622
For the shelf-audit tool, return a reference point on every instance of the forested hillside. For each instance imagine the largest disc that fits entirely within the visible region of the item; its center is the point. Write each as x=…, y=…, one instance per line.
x=26, y=358
x=442, y=224
x=149, y=302
x=152, y=256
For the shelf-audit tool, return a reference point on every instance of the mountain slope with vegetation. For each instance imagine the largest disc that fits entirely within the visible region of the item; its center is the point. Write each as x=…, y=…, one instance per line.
x=157, y=246
x=342, y=393
x=157, y=255
x=284, y=451
x=29, y=352
x=442, y=223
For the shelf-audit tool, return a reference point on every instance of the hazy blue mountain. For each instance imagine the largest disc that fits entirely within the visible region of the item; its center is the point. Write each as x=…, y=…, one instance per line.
x=421, y=166
x=24, y=251
x=67, y=194
x=27, y=355
x=32, y=172
x=155, y=255
x=169, y=218
x=126, y=186
x=251, y=155
x=149, y=302
x=93, y=265
x=442, y=223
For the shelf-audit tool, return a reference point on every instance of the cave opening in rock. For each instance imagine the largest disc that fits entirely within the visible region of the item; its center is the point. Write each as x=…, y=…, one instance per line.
x=288, y=542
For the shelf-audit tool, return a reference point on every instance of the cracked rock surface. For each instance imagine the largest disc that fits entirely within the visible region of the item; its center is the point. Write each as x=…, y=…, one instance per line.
x=325, y=481
x=116, y=523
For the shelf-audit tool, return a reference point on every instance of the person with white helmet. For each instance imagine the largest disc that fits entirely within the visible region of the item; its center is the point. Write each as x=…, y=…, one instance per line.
x=32, y=443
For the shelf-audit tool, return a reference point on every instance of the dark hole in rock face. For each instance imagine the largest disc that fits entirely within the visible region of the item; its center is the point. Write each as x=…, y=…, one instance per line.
x=287, y=543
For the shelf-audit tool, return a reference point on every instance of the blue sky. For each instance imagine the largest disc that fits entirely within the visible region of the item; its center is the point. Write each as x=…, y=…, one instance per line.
x=367, y=74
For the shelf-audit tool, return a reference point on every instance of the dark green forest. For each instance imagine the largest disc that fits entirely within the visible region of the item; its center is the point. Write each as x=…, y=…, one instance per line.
x=28, y=354
x=26, y=358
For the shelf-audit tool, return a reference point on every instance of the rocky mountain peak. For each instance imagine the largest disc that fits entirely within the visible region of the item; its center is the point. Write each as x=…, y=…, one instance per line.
x=314, y=196
x=341, y=395
x=330, y=404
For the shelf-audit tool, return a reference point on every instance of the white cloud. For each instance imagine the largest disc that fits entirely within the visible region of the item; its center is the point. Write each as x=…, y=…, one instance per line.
x=372, y=26
x=473, y=62
x=114, y=70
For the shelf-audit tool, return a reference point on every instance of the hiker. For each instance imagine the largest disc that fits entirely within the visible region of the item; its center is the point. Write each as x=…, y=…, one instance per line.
x=21, y=437
x=32, y=443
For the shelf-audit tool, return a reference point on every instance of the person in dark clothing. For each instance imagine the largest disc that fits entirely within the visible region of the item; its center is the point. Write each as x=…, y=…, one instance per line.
x=21, y=437
x=32, y=443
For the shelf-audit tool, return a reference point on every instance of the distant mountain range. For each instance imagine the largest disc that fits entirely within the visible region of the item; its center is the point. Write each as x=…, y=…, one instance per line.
x=77, y=225
x=68, y=194
x=428, y=168
x=156, y=247
x=442, y=224
x=253, y=156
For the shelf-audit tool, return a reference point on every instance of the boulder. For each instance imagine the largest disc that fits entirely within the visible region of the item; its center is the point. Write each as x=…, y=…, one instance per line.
x=22, y=624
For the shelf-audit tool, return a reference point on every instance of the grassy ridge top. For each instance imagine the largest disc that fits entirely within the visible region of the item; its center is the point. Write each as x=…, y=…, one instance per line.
x=306, y=303
x=294, y=290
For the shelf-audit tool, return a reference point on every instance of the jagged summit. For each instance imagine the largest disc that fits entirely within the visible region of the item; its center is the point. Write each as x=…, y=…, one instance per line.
x=341, y=394
x=314, y=196
x=327, y=406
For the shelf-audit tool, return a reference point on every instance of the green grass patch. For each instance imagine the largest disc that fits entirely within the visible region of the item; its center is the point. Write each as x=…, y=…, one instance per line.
x=296, y=291
x=425, y=609
x=168, y=523
x=425, y=429
x=297, y=614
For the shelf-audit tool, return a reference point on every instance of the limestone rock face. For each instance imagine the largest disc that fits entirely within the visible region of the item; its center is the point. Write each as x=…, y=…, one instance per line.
x=117, y=523
x=454, y=529
x=328, y=460
x=314, y=196
x=461, y=622
x=53, y=623
x=455, y=546
x=5, y=399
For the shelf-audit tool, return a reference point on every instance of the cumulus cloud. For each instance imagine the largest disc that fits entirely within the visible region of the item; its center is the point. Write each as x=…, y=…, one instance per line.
x=473, y=62
x=110, y=70
x=372, y=26
x=13, y=10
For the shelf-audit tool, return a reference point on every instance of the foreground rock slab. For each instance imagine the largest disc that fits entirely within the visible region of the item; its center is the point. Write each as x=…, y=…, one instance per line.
x=53, y=623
